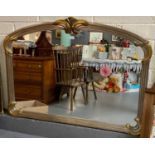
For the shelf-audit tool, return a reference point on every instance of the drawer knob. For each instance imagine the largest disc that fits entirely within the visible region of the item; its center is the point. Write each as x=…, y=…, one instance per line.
x=39, y=66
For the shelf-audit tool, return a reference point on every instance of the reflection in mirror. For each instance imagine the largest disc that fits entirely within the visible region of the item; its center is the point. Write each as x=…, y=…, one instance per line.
x=32, y=36
x=106, y=89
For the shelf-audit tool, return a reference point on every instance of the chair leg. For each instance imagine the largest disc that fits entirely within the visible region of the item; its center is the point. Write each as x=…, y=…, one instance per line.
x=87, y=93
x=95, y=96
x=83, y=94
x=71, y=98
x=61, y=92
x=67, y=91
x=74, y=92
x=67, y=94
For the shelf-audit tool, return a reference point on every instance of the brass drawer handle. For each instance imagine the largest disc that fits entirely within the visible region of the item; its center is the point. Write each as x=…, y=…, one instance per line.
x=39, y=66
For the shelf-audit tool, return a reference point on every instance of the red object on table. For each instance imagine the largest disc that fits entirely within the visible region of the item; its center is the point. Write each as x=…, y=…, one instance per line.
x=125, y=43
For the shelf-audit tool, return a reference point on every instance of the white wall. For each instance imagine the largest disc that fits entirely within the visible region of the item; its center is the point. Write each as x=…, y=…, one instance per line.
x=143, y=26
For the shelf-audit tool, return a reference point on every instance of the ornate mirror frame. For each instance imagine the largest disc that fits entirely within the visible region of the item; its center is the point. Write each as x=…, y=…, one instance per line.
x=73, y=26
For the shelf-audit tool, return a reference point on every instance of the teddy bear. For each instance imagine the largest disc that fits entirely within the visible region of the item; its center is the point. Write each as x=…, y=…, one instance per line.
x=109, y=84
x=112, y=85
x=101, y=84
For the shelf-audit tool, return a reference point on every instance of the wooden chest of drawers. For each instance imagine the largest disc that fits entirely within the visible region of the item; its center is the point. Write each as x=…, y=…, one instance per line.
x=34, y=78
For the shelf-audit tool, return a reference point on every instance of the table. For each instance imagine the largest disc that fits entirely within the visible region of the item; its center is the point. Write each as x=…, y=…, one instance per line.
x=134, y=65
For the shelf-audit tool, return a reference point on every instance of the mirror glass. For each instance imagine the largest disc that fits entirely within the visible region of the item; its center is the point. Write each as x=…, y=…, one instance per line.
x=115, y=64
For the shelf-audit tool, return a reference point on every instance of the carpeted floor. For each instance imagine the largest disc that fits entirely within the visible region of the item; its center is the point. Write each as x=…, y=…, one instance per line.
x=12, y=134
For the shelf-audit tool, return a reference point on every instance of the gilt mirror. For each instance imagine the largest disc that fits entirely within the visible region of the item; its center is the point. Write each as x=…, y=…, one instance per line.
x=75, y=72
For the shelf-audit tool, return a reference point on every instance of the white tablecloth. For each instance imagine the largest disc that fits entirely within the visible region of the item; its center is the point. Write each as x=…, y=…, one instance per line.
x=113, y=64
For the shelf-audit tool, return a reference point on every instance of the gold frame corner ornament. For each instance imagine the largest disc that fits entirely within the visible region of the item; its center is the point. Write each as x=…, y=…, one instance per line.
x=12, y=109
x=136, y=129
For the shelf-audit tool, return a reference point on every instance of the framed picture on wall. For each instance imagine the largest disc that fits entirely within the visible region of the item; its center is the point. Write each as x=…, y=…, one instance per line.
x=95, y=37
x=115, y=38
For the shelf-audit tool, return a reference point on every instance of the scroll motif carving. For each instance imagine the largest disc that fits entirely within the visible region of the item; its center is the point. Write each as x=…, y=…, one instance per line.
x=134, y=130
x=71, y=25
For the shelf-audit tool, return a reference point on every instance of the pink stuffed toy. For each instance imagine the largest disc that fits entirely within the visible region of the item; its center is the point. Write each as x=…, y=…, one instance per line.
x=105, y=71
